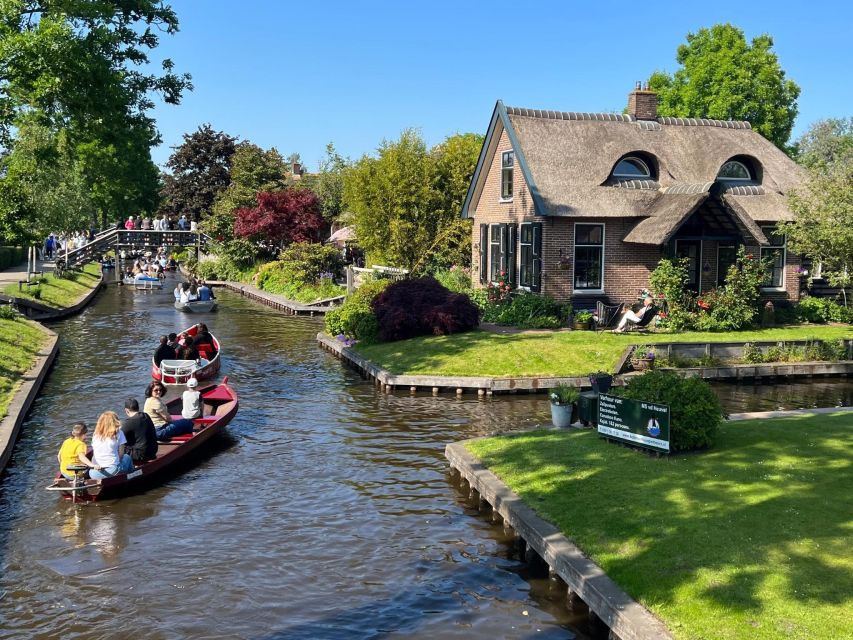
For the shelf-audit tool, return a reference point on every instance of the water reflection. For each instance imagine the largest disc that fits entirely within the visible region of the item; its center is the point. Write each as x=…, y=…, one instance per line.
x=784, y=394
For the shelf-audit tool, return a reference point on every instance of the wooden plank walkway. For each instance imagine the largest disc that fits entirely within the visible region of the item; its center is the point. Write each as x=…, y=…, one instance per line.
x=276, y=301
x=585, y=580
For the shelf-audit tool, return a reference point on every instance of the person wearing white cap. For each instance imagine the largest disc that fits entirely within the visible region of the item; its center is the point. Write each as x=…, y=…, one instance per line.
x=192, y=401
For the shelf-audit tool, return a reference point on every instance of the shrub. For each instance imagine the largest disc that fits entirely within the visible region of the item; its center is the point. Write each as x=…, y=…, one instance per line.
x=530, y=311
x=564, y=394
x=8, y=312
x=826, y=350
x=224, y=268
x=304, y=272
x=695, y=412
x=821, y=310
x=669, y=280
x=752, y=354
x=355, y=318
x=421, y=306
x=456, y=279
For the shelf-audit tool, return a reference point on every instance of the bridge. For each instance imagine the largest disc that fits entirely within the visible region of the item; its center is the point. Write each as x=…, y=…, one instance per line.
x=118, y=239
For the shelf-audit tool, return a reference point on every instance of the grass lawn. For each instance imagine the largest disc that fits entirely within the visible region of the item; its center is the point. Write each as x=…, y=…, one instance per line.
x=752, y=540
x=60, y=292
x=20, y=341
x=549, y=353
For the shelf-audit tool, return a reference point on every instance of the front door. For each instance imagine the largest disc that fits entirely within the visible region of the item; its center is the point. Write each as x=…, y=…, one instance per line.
x=692, y=250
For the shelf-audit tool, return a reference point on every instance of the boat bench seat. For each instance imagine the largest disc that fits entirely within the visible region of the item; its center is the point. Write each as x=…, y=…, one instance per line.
x=181, y=438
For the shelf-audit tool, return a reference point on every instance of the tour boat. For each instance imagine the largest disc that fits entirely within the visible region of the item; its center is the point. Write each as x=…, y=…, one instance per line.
x=219, y=406
x=196, y=306
x=179, y=371
x=144, y=282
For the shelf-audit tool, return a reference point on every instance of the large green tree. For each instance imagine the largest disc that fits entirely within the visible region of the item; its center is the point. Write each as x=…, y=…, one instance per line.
x=328, y=184
x=200, y=170
x=723, y=76
x=826, y=144
x=406, y=200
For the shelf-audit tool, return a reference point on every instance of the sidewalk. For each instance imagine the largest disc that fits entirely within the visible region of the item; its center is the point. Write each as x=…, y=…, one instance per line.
x=14, y=275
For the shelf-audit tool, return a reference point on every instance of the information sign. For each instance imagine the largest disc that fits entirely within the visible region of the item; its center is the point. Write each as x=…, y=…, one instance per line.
x=642, y=423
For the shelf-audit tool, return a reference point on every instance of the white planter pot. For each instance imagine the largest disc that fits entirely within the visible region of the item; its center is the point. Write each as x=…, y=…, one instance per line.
x=561, y=415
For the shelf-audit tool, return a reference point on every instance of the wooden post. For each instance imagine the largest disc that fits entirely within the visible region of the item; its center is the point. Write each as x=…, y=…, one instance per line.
x=350, y=279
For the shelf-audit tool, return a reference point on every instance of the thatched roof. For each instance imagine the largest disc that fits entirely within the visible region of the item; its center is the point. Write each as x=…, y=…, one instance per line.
x=665, y=218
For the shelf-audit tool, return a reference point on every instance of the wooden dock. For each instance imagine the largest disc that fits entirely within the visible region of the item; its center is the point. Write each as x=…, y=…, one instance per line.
x=289, y=307
x=587, y=586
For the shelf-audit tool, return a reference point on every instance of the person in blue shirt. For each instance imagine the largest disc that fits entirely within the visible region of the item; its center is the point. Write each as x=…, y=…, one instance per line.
x=203, y=292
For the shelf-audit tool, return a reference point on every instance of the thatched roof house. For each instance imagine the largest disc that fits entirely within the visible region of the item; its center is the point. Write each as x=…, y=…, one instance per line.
x=582, y=206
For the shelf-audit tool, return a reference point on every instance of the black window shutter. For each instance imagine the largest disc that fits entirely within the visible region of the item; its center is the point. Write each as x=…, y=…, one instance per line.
x=511, y=239
x=484, y=253
x=536, y=280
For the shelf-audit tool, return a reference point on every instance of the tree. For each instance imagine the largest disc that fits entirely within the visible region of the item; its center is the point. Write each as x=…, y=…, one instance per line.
x=825, y=144
x=253, y=170
x=724, y=77
x=201, y=170
x=328, y=183
x=292, y=215
x=404, y=201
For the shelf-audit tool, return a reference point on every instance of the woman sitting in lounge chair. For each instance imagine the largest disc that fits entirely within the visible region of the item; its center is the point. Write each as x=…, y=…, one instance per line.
x=636, y=318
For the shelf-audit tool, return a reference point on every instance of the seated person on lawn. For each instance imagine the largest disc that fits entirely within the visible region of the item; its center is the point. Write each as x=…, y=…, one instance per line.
x=636, y=318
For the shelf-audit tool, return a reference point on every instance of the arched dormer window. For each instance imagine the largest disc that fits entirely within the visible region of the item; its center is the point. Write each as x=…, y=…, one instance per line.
x=632, y=168
x=734, y=170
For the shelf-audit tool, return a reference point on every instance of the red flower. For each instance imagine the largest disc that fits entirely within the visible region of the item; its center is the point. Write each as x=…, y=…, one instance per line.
x=749, y=256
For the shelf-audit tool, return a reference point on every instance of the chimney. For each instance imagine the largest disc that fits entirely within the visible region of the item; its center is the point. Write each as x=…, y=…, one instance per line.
x=643, y=103
x=296, y=170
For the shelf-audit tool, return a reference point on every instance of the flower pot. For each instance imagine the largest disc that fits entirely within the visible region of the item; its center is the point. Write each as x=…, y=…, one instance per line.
x=582, y=326
x=642, y=364
x=563, y=415
x=601, y=384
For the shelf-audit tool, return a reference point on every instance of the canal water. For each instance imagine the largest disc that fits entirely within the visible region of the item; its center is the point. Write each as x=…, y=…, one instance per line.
x=325, y=512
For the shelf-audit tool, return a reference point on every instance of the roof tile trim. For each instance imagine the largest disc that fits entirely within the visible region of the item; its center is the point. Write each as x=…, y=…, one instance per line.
x=701, y=187
x=569, y=115
x=705, y=122
x=745, y=189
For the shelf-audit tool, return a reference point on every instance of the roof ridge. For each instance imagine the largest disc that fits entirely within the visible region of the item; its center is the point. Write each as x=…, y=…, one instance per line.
x=549, y=114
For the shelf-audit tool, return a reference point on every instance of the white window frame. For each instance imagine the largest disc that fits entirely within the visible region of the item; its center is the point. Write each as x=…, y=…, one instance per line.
x=784, y=248
x=512, y=169
x=491, y=243
x=631, y=176
x=603, y=246
x=518, y=257
x=698, y=263
x=730, y=179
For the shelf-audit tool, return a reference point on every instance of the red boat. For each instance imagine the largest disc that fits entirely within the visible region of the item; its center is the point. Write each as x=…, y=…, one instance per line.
x=179, y=371
x=219, y=406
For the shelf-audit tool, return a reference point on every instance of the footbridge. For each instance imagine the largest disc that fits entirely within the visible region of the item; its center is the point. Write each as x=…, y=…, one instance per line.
x=118, y=239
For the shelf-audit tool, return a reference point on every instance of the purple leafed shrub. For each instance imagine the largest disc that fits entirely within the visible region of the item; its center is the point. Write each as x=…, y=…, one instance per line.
x=422, y=306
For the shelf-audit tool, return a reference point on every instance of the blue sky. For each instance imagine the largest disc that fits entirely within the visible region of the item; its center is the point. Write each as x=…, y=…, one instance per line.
x=299, y=75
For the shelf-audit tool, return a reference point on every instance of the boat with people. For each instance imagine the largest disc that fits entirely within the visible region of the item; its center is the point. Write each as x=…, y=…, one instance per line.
x=178, y=371
x=143, y=282
x=196, y=306
x=219, y=405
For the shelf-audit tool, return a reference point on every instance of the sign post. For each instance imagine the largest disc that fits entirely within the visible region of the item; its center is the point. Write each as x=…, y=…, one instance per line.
x=641, y=423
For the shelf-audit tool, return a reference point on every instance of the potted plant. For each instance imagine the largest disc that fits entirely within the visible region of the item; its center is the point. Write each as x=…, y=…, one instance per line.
x=564, y=405
x=601, y=381
x=583, y=320
x=643, y=358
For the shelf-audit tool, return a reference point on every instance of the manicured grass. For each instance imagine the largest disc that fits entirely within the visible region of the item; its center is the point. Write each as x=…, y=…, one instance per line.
x=751, y=540
x=60, y=292
x=549, y=353
x=20, y=341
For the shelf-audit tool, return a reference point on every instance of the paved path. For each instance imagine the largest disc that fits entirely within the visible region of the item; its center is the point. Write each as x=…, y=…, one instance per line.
x=15, y=274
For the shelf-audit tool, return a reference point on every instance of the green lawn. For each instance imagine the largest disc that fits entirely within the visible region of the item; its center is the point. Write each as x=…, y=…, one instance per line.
x=20, y=341
x=752, y=540
x=60, y=292
x=549, y=353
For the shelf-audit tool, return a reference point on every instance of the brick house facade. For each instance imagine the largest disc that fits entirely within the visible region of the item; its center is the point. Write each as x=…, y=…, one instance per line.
x=582, y=206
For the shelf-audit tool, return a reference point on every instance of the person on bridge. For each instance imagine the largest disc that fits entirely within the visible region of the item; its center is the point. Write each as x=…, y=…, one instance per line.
x=73, y=451
x=139, y=431
x=146, y=223
x=182, y=223
x=129, y=225
x=156, y=409
x=108, y=443
x=164, y=351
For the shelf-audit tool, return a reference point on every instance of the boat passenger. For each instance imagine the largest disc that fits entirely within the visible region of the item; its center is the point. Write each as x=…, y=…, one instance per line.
x=177, y=293
x=73, y=451
x=108, y=443
x=140, y=433
x=203, y=292
x=203, y=336
x=189, y=351
x=192, y=400
x=173, y=342
x=193, y=296
x=164, y=351
x=156, y=409
x=185, y=292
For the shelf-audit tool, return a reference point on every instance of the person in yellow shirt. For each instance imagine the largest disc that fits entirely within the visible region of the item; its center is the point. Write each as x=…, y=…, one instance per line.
x=73, y=451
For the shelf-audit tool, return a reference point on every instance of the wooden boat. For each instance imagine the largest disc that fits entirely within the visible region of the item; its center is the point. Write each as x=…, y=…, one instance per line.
x=219, y=406
x=179, y=371
x=144, y=282
x=196, y=306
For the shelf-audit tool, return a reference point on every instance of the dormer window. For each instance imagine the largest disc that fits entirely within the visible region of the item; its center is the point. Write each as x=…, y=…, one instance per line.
x=632, y=168
x=733, y=171
x=507, y=164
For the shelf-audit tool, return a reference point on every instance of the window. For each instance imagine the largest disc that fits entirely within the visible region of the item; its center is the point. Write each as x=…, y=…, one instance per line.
x=726, y=257
x=507, y=163
x=692, y=250
x=632, y=168
x=589, y=257
x=496, y=255
x=526, y=268
x=776, y=251
x=734, y=170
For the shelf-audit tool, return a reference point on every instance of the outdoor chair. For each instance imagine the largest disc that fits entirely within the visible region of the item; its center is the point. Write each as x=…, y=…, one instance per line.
x=650, y=313
x=607, y=315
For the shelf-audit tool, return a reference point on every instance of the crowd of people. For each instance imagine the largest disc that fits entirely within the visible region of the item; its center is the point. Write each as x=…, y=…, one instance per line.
x=118, y=446
x=55, y=243
x=158, y=223
x=192, y=291
x=153, y=266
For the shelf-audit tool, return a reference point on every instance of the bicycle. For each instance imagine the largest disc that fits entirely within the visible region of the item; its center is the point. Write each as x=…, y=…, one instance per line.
x=59, y=268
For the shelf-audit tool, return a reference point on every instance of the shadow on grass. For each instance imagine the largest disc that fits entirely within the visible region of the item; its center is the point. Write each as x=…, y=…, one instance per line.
x=768, y=506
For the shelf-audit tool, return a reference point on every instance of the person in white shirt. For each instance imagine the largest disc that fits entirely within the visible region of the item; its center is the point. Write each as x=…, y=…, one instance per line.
x=192, y=401
x=108, y=445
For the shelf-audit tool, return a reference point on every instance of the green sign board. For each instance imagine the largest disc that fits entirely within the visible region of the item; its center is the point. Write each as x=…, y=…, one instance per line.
x=642, y=423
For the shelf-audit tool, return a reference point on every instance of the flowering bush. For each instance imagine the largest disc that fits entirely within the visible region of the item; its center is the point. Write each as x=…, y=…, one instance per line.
x=499, y=291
